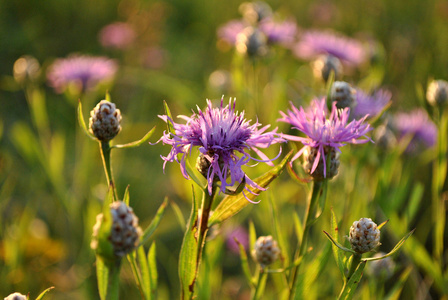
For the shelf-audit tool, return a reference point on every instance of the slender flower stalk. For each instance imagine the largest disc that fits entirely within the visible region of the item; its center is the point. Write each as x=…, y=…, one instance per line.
x=224, y=138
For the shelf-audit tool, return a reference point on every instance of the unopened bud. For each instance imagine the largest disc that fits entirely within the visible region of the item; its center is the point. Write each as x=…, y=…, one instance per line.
x=104, y=122
x=437, y=93
x=265, y=250
x=364, y=235
x=251, y=42
x=254, y=12
x=310, y=155
x=324, y=65
x=343, y=94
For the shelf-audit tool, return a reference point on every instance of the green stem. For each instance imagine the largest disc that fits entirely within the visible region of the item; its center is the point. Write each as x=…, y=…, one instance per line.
x=259, y=288
x=309, y=220
x=105, y=155
x=207, y=201
x=108, y=278
x=356, y=259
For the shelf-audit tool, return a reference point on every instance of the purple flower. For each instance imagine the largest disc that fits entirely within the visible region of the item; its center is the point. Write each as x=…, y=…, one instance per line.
x=84, y=71
x=417, y=125
x=371, y=105
x=321, y=132
x=229, y=31
x=117, y=35
x=240, y=233
x=220, y=133
x=314, y=43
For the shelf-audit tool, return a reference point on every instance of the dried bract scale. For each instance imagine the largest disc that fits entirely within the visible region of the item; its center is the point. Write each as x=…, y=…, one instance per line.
x=251, y=42
x=265, y=250
x=125, y=233
x=324, y=65
x=104, y=122
x=343, y=94
x=309, y=157
x=16, y=296
x=437, y=93
x=364, y=235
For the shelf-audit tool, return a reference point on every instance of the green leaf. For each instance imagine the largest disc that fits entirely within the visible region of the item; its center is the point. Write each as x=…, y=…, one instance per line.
x=153, y=270
x=189, y=253
x=145, y=279
x=82, y=123
x=155, y=222
x=132, y=258
x=382, y=224
x=107, y=97
x=41, y=295
x=136, y=143
x=105, y=248
x=126, y=196
x=231, y=205
x=169, y=123
x=192, y=175
x=245, y=264
x=395, y=249
x=252, y=235
x=108, y=278
x=395, y=292
x=352, y=284
x=298, y=227
x=278, y=232
x=179, y=216
x=322, y=196
x=337, y=254
x=337, y=244
x=330, y=82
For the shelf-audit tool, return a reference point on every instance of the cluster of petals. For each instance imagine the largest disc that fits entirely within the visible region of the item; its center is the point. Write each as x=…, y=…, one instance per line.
x=220, y=133
x=334, y=131
x=313, y=43
x=372, y=104
x=86, y=71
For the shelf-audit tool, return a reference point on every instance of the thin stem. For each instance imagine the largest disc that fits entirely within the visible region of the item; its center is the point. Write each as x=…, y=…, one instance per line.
x=356, y=259
x=259, y=288
x=309, y=219
x=105, y=155
x=207, y=201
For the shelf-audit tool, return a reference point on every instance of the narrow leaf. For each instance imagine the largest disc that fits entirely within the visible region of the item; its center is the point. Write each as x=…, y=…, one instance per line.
x=252, y=235
x=41, y=295
x=144, y=271
x=179, y=216
x=298, y=227
x=126, y=196
x=170, y=117
x=152, y=264
x=136, y=143
x=395, y=292
x=82, y=123
x=231, y=205
x=245, y=264
x=108, y=279
x=352, y=284
x=395, y=249
x=154, y=223
x=337, y=254
x=382, y=224
x=192, y=174
x=337, y=244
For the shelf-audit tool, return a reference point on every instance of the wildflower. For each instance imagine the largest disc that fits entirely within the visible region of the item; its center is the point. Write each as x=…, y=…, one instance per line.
x=265, y=250
x=83, y=71
x=417, y=125
x=117, y=35
x=283, y=33
x=125, y=233
x=371, y=105
x=16, y=296
x=104, y=122
x=364, y=235
x=314, y=43
x=343, y=94
x=324, y=135
x=220, y=133
x=437, y=93
x=239, y=233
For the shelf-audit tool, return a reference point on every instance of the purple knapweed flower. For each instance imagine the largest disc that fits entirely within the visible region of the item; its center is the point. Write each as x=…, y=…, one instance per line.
x=229, y=31
x=239, y=233
x=323, y=133
x=118, y=35
x=372, y=104
x=416, y=125
x=313, y=43
x=220, y=133
x=82, y=70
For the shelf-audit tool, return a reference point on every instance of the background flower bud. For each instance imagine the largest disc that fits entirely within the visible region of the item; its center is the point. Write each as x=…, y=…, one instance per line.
x=104, y=122
x=343, y=94
x=364, y=235
x=265, y=250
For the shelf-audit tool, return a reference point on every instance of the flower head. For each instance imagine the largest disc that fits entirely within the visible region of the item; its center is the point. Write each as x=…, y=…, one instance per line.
x=104, y=122
x=437, y=92
x=364, y=235
x=266, y=250
x=321, y=132
x=16, y=296
x=417, y=125
x=371, y=105
x=84, y=71
x=314, y=43
x=117, y=35
x=220, y=133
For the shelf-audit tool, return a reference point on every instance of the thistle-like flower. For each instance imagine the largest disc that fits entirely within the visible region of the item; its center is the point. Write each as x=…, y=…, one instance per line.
x=313, y=43
x=16, y=296
x=220, y=133
x=125, y=233
x=324, y=135
x=372, y=104
x=104, y=122
x=83, y=71
x=364, y=235
x=265, y=250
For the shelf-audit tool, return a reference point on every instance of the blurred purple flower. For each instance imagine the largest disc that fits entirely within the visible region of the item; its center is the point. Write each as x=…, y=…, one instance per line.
x=283, y=33
x=417, y=125
x=334, y=132
x=117, y=35
x=240, y=233
x=313, y=43
x=371, y=105
x=219, y=133
x=84, y=71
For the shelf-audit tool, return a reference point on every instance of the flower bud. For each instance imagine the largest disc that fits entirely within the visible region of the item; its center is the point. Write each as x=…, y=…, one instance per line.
x=26, y=68
x=309, y=156
x=323, y=66
x=265, y=250
x=203, y=166
x=104, y=122
x=16, y=296
x=383, y=268
x=364, y=235
x=124, y=234
x=251, y=42
x=437, y=93
x=343, y=94
x=254, y=12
